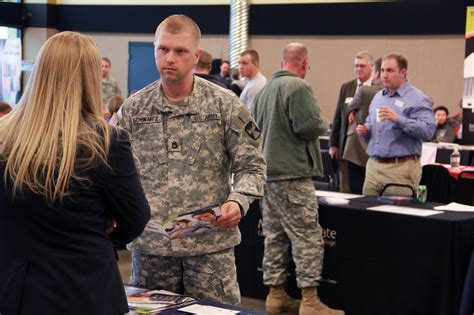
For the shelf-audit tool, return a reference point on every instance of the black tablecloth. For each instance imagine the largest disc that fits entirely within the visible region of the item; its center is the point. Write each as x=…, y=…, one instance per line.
x=375, y=262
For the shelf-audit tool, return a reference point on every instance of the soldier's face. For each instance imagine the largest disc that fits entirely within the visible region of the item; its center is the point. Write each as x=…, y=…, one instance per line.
x=105, y=69
x=175, y=56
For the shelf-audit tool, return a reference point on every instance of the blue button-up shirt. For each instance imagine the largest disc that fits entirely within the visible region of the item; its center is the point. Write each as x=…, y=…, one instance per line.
x=414, y=124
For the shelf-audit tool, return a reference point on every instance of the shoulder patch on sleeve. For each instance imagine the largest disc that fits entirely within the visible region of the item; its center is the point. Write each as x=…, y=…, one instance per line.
x=252, y=130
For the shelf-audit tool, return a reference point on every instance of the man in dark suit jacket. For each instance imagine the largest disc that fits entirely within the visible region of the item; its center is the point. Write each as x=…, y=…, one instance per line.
x=363, y=66
x=355, y=149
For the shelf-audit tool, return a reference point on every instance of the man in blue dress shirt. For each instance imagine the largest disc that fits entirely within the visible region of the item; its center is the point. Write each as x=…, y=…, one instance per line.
x=400, y=118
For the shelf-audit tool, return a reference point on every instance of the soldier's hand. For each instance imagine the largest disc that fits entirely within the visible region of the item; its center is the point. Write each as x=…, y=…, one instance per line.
x=230, y=215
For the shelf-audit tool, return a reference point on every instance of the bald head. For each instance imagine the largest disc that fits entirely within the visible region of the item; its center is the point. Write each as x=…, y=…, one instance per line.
x=295, y=59
x=295, y=53
x=177, y=24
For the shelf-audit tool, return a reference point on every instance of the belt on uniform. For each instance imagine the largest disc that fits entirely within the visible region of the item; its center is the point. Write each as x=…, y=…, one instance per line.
x=398, y=159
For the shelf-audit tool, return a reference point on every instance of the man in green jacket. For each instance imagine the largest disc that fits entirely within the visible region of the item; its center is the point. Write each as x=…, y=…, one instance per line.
x=289, y=117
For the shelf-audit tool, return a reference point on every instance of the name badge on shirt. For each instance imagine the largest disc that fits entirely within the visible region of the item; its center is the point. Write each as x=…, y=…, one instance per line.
x=399, y=103
x=348, y=100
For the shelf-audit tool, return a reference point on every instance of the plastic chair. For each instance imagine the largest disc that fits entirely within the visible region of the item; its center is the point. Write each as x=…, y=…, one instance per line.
x=382, y=193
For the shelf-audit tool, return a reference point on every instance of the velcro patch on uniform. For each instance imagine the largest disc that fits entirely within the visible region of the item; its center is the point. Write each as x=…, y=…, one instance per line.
x=205, y=117
x=244, y=115
x=146, y=120
x=252, y=130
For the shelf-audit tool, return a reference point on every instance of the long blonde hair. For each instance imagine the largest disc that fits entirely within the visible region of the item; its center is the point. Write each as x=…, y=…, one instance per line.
x=59, y=113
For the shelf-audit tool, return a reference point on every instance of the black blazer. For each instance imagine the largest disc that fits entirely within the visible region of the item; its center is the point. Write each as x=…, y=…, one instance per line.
x=58, y=259
x=339, y=123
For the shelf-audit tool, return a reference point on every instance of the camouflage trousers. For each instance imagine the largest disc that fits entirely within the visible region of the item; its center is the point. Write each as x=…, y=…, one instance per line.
x=210, y=276
x=291, y=230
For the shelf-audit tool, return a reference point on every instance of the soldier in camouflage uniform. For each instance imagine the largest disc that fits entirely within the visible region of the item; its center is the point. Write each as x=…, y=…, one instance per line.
x=289, y=116
x=110, y=86
x=189, y=136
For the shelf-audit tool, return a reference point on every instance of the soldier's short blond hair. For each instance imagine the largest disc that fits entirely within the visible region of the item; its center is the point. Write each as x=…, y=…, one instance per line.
x=179, y=23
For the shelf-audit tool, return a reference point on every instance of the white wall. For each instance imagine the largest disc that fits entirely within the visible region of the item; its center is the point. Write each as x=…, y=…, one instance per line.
x=435, y=63
x=115, y=47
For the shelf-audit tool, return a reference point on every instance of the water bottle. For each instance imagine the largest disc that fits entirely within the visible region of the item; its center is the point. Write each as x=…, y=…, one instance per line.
x=455, y=159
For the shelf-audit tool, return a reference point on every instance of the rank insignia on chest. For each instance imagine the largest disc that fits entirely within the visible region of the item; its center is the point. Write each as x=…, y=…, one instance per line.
x=174, y=145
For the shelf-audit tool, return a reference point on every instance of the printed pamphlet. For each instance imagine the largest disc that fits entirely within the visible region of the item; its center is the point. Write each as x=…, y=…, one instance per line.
x=189, y=223
x=142, y=301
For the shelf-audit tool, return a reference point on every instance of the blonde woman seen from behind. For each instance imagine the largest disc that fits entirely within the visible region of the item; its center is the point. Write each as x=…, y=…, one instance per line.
x=64, y=174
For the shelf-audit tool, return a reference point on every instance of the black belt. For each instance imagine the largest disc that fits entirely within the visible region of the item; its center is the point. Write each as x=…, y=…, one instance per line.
x=398, y=159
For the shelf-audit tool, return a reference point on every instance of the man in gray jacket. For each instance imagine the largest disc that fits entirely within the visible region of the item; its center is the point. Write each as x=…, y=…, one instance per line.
x=355, y=150
x=289, y=117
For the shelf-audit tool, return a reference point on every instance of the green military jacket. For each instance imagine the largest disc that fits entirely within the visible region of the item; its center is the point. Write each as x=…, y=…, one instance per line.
x=289, y=116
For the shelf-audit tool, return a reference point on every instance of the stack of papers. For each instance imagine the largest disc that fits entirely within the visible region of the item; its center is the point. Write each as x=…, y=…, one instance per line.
x=207, y=310
x=333, y=194
x=335, y=198
x=142, y=301
x=333, y=201
x=454, y=206
x=405, y=210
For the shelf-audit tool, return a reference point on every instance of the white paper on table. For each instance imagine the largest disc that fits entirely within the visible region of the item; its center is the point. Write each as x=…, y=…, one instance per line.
x=334, y=194
x=333, y=201
x=428, y=153
x=405, y=210
x=454, y=206
x=207, y=310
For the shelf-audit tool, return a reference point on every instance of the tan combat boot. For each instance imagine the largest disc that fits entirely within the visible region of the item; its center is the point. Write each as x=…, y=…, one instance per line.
x=312, y=305
x=278, y=301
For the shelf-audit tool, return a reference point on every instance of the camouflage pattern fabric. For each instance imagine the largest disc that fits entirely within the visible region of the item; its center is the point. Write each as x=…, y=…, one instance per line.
x=186, y=153
x=110, y=89
x=291, y=229
x=210, y=276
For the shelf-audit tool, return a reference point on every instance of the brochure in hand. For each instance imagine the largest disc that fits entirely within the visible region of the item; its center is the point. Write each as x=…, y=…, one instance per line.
x=142, y=301
x=189, y=223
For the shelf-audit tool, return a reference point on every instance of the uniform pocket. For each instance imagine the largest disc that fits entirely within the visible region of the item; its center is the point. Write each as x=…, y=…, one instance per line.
x=302, y=198
x=148, y=139
x=205, y=145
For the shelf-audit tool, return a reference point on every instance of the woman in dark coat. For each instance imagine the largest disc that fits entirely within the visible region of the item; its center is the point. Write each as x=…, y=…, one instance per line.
x=68, y=188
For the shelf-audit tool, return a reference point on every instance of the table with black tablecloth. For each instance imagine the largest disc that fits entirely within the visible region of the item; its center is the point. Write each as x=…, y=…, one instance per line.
x=377, y=262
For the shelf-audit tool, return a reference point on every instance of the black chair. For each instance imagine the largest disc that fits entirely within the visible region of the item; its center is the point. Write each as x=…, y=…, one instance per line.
x=329, y=181
x=439, y=182
x=465, y=188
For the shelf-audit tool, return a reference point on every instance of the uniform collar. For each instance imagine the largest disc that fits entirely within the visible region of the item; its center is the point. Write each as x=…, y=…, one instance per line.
x=188, y=105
